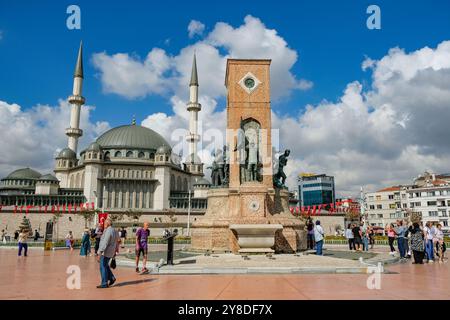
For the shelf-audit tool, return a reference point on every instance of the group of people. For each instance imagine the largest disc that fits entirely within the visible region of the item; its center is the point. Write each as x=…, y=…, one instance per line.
x=315, y=236
x=22, y=240
x=108, y=240
x=359, y=237
x=424, y=242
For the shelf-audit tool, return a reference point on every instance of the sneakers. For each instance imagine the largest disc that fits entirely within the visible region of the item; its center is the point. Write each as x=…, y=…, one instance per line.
x=102, y=287
x=111, y=282
x=137, y=270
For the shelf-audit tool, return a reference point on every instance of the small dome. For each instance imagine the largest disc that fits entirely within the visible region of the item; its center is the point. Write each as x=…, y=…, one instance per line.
x=94, y=146
x=25, y=173
x=202, y=181
x=48, y=177
x=164, y=149
x=67, y=153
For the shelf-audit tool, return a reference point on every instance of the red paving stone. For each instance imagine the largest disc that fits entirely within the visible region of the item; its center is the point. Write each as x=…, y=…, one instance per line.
x=42, y=275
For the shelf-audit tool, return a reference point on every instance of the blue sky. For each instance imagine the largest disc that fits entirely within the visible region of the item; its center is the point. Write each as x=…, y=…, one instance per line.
x=371, y=128
x=37, y=52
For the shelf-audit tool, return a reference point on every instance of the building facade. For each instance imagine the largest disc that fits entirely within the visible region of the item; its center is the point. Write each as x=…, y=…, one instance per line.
x=129, y=168
x=429, y=196
x=315, y=189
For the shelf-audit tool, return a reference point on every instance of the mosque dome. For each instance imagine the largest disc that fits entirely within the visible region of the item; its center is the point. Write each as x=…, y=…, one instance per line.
x=48, y=177
x=94, y=146
x=164, y=149
x=131, y=137
x=67, y=153
x=25, y=173
x=202, y=182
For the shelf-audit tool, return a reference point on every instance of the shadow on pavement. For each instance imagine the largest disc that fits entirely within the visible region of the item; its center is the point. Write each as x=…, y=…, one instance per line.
x=129, y=283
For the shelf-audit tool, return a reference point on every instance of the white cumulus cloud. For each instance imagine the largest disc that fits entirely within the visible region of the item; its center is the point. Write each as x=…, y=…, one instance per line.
x=195, y=28
x=31, y=138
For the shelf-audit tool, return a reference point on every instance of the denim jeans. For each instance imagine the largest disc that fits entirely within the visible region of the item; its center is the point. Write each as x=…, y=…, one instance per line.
x=429, y=250
x=105, y=271
x=365, y=243
x=319, y=245
x=401, y=247
x=25, y=247
x=310, y=241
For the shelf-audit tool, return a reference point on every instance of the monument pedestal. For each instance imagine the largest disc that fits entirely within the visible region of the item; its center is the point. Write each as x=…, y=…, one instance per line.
x=251, y=204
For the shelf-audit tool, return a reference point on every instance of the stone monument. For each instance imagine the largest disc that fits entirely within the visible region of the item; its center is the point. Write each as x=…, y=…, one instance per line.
x=249, y=213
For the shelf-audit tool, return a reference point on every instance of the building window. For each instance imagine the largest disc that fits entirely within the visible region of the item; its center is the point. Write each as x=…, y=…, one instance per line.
x=433, y=213
x=391, y=197
x=379, y=197
x=152, y=156
x=431, y=203
x=129, y=154
x=379, y=206
x=107, y=157
x=118, y=154
x=370, y=198
x=141, y=155
x=392, y=206
x=445, y=223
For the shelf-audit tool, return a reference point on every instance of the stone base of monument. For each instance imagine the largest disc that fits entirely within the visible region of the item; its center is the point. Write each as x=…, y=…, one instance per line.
x=251, y=205
x=256, y=238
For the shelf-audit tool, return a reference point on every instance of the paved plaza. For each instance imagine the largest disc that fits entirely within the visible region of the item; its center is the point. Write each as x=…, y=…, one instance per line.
x=42, y=275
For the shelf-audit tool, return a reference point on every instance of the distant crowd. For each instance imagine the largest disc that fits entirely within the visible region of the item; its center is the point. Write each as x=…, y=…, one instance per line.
x=413, y=240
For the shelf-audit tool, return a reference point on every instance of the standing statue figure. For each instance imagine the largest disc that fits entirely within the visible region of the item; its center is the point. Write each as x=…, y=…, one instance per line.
x=215, y=177
x=219, y=159
x=226, y=167
x=280, y=175
x=252, y=161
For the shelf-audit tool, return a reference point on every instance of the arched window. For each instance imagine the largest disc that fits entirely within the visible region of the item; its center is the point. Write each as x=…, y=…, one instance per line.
x=172, y=182
x=118, y=154
x=179, y=186
x=185, y=185
x=107, y=156
x=129, y=154
x=141, y=154
x=152, y=156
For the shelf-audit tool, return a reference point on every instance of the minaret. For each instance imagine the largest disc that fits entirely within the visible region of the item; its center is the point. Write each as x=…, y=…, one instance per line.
x=193, y=163
x=76, y=100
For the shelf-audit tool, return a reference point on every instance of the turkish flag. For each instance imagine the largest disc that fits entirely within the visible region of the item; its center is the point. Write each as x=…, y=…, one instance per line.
x=102, y=217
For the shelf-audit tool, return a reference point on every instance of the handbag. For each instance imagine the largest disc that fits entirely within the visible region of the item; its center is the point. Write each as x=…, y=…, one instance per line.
x=113, y=264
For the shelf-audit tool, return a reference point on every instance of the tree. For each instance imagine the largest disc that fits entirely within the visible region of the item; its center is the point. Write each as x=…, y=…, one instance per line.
x=88, y=216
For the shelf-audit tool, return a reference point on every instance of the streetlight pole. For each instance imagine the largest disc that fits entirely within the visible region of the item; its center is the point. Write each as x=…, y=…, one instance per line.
x=189, y=213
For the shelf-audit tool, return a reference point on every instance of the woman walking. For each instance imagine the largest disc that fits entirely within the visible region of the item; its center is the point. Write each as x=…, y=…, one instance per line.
x=85, y=244
x=23, y=236
x=69, y=240
x=417, y=243
x=391, y=238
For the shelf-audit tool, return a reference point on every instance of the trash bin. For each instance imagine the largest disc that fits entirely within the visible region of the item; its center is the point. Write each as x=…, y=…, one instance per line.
x=169, y=237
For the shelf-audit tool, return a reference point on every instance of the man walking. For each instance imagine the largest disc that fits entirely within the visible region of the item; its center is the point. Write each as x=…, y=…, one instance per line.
x=142, y=247
x=106, y=251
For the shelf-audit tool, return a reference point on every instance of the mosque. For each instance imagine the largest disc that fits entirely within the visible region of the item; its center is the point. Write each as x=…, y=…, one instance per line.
x=129, y=168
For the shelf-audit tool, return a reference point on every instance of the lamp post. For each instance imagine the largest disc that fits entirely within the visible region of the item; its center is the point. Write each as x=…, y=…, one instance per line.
x=95, y=209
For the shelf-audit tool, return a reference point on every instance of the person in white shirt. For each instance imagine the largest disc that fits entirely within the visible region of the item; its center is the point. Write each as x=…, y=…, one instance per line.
x=350, y=238
x=429, y=232
x=318, y=236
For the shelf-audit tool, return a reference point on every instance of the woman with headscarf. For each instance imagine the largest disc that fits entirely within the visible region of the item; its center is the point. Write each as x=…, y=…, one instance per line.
x=85, y=244
x=417, y=243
